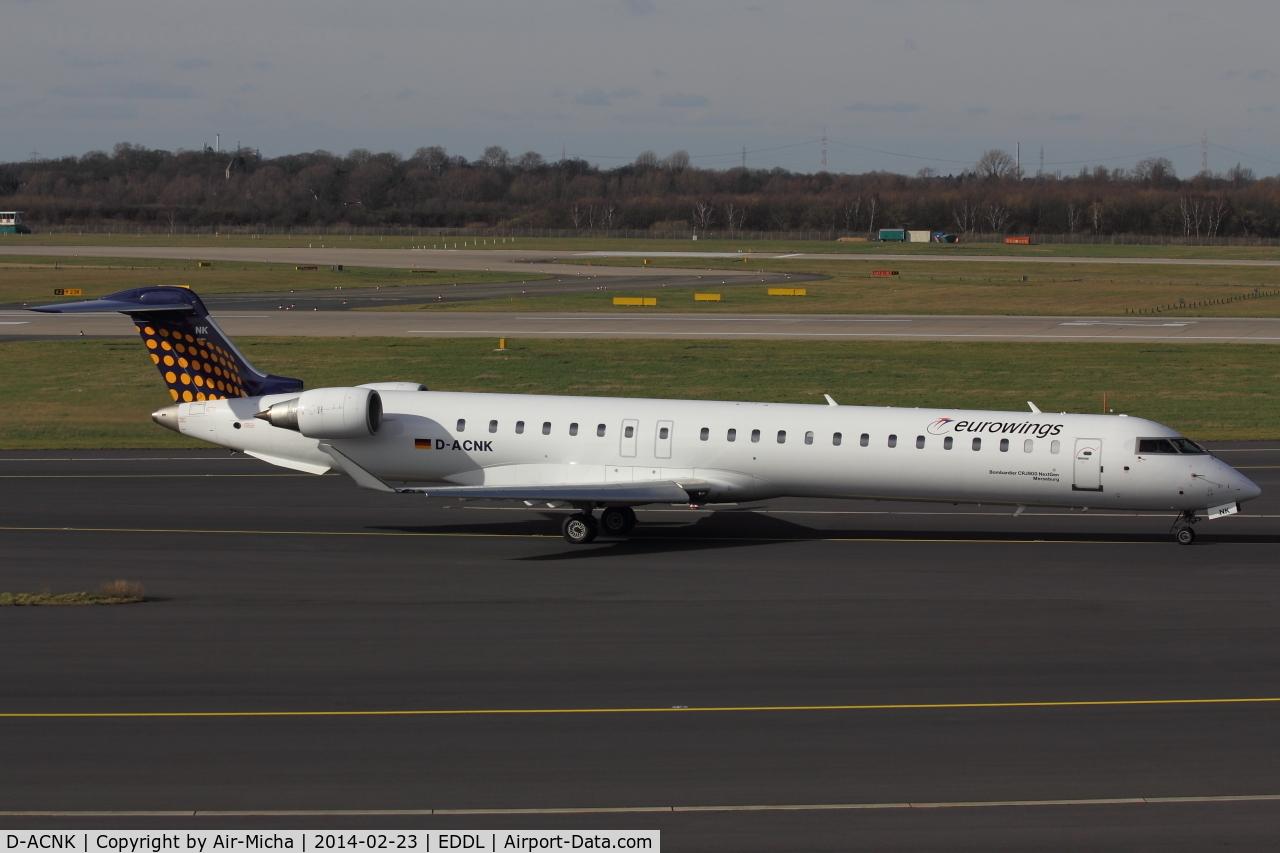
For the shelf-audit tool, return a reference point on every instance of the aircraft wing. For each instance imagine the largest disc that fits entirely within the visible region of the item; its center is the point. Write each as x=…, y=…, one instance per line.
x=656, y=491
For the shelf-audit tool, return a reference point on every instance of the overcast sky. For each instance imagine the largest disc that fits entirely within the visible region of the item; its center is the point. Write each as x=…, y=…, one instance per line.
x=1102, y=82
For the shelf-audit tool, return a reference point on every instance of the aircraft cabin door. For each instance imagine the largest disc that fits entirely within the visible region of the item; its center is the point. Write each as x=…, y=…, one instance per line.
x=1088, y=465
x=662, y=444
x=629, y=430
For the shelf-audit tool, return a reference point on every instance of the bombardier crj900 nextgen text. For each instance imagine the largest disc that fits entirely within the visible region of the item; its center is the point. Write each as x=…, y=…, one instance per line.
x=614, y=453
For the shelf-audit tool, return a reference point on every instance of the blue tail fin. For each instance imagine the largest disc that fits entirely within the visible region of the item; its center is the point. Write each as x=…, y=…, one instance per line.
x=195, y=357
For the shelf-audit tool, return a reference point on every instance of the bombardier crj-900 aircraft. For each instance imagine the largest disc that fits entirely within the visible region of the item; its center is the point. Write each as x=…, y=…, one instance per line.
x=613, y=454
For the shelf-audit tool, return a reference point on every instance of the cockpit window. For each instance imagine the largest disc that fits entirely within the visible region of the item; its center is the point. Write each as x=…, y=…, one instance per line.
x=1155, y=445
x=1186, y=445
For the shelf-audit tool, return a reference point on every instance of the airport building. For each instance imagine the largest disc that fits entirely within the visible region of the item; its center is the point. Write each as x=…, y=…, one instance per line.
x=11, y=222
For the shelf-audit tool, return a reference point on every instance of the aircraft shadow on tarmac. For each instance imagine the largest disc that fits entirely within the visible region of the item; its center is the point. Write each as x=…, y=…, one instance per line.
x=729, y=529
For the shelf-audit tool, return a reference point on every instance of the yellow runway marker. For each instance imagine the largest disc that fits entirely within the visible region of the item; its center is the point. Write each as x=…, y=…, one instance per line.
x=492, y=712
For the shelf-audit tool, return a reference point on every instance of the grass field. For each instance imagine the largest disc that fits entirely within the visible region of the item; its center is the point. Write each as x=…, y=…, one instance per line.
x=27, y=279
x=588, y=244
x=970, y=287
x=100, y=393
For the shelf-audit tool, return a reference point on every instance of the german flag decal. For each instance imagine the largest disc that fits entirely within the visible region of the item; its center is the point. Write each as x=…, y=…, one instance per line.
x=422, y=444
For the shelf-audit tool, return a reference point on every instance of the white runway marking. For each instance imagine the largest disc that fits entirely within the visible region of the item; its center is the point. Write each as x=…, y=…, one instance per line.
x=669, y=319
x=1140, y=325
x=935, y=336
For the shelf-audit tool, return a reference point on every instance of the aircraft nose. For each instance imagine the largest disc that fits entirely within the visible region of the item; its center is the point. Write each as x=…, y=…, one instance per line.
x=1248, y=489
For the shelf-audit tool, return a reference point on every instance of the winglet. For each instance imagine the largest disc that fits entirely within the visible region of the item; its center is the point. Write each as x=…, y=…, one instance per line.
x=830, y=402
x=1034, y=407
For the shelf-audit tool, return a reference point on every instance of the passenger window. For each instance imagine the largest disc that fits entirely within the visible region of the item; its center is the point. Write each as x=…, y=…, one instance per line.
x=663, y=433
x=732, y=435
x=573, y=429
x=1055, y=446
x=893, y=441
x=1028, y=446
x=946, y=443
x=782, y=436
x=865, y=440
x=808, y=438
x=493, y=426
x=519, y=427
x=919, y=442
x=546, y=428
x=600, y=430
x=1004, y=445
x=836, y=438
x=705, y=434
x=629, y=432
x=755, y=435
x=462, y=424
x=977, y=444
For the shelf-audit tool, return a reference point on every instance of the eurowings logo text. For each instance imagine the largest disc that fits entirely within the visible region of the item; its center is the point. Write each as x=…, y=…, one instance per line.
x=945, y=425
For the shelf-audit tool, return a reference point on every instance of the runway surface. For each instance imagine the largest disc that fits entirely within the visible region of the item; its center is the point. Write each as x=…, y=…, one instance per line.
x=838, y=643
x=943, y=254
x=546, y=260
x=533, y=261
x=17, y=325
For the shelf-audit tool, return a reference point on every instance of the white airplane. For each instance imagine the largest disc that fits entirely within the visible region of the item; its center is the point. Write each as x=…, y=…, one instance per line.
x=615, y=453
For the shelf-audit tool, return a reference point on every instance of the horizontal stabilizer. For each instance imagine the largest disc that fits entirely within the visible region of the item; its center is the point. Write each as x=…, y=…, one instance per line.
x=657, y=491
x=109, y=305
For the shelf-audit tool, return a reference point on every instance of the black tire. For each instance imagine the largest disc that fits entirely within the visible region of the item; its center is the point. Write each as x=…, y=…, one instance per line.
x=579, y=529
x=1185, y=536
x=617, y=520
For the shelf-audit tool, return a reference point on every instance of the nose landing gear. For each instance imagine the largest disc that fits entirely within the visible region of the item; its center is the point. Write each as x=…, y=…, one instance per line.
x=1183, y=533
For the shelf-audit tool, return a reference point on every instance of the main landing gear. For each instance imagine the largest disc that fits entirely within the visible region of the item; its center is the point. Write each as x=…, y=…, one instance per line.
x=582, y=527
x=1182, y=531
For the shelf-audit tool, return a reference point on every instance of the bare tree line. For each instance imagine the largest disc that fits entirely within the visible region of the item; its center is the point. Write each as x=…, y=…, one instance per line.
x=432, y=188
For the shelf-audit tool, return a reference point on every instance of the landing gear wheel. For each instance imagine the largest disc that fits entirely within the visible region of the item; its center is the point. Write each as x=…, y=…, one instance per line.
x=617, y=520
x=579, y=528
x=1185, y=536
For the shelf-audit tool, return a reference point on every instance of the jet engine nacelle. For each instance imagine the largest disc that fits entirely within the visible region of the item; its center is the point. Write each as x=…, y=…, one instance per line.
x=329, y=413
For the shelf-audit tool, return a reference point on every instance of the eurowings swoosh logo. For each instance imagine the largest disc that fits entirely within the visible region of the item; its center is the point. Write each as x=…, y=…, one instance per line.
x=940, y=426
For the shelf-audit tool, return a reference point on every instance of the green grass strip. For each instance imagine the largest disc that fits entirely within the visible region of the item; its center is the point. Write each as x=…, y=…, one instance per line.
x=95, y=393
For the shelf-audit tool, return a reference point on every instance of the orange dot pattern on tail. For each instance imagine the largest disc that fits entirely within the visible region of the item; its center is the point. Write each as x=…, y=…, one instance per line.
x=192, y=367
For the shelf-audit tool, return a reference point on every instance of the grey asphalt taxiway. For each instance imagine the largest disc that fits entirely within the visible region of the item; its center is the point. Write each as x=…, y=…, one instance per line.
x=312, y=654
x=20, y=325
